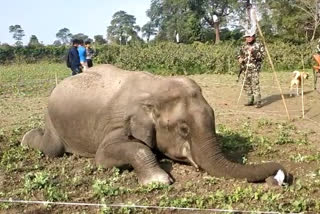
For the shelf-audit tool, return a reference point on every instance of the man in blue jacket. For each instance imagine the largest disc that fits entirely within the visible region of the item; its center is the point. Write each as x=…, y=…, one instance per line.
x=82, y=55
x=73, y=59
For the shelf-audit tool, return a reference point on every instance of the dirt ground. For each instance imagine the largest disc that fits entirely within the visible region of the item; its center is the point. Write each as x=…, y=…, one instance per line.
x=75, y=175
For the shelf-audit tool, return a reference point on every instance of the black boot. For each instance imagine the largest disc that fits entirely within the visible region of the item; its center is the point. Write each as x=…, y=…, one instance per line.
x=258, y=101
x=258, y=105
x=250, y=101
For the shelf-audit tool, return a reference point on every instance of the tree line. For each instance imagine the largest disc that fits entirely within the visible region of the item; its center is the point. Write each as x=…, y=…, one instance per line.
x=64, y=37
x=188, y=21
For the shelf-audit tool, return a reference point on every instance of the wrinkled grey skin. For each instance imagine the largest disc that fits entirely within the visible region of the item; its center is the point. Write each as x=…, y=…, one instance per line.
x=120, y=116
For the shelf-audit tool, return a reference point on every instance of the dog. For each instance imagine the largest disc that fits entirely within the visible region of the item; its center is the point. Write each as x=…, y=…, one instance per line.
x=296, y=80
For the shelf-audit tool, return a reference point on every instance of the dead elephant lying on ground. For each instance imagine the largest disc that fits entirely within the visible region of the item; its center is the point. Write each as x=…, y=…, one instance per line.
x=120, y=117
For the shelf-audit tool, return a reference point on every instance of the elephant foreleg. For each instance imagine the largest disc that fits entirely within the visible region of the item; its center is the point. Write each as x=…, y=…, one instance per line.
x=136, y=154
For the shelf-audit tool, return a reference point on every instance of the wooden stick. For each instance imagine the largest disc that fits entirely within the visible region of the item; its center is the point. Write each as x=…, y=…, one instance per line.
x=272, y=66
x=56, y=76
x=244, y=79
x=302, y=82
x=245, y=76
x=229, y=64
x=302, y=96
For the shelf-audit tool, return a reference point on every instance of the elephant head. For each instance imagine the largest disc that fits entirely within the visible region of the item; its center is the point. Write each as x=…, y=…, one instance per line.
x=176, y=119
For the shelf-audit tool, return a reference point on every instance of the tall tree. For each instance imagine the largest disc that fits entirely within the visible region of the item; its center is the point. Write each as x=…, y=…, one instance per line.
x=311, y=14
x=98, y=39
x=213, y=12
x=123, y=28
x=148, y=30
x=18, y=33
x=57, y=43
x=64, y=35
x=173, y=18
x=34, y=41
x=282, y=19
x=81, y=36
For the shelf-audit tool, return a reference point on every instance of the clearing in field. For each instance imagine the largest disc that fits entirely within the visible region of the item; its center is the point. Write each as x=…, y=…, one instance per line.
x=247, y=135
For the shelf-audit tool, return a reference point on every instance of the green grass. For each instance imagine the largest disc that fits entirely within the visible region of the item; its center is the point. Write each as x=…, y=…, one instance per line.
x=30, y=79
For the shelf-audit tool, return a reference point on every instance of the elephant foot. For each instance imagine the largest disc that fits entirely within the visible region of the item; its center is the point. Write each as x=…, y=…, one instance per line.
x=30, y=137
x=272, y=182
x=154, y=176
x=44, y=141
x=276, y=180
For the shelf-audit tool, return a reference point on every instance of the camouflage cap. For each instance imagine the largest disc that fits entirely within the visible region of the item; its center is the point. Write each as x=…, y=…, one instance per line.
x=249, y=34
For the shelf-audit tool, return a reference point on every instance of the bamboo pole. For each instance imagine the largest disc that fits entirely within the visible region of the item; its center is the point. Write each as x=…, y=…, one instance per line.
x=272, y=66
x=229, y=65
x=244, y=79
x=56, y=76
x=302, y=82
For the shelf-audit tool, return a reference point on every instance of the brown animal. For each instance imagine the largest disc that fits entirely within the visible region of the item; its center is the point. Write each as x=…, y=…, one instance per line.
x=296, y=80
x=121, y=117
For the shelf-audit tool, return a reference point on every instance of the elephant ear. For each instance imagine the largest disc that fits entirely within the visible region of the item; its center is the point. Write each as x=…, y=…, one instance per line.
x=139, y=123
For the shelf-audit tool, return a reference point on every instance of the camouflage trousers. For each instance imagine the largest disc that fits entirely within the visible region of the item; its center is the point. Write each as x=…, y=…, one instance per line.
x=252, y=85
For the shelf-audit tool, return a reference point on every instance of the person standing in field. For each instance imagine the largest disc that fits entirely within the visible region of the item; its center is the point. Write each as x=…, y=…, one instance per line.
x=250, y=58
x=90, y=53
x=82, y=55
x=73, y=60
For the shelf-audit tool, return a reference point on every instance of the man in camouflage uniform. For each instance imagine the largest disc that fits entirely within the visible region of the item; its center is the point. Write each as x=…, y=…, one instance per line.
x=250, y=58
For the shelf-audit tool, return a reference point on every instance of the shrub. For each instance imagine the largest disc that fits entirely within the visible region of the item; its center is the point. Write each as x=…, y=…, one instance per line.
x=170, y=58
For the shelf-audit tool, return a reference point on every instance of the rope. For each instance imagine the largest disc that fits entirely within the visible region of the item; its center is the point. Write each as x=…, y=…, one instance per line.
x=234, y=84
x=313, y=121
x=132, y=206
x=247, y=112
x=53, y=81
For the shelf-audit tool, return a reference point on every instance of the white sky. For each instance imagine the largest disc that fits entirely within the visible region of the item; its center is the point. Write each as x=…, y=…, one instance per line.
x=44, y=18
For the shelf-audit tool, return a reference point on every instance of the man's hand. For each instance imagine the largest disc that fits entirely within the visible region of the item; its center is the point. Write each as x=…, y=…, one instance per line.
x=240, y=60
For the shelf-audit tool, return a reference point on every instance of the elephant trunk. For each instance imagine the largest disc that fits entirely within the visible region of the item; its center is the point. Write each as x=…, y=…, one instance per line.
x=208, y=155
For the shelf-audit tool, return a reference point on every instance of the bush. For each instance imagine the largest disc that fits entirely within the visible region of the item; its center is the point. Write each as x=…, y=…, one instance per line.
x=32, y=54
x=170, y=58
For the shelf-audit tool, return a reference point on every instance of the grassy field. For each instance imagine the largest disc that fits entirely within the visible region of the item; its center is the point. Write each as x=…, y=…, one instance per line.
x=247, y=135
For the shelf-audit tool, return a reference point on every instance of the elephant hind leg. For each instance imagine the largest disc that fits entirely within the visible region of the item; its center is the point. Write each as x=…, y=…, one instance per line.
x=45, y=141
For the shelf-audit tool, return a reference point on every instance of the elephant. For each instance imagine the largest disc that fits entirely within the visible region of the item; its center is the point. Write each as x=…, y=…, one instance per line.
x=121, y=118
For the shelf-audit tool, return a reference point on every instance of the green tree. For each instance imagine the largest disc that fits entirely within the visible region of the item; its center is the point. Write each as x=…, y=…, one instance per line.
x=98, y=39
x=311, y=15
x=18, y=33
x=34, y=41
x=148, y=30
x=123, y=28
x=213, y=12
x=57, y=43
x=81, y=36
x=174, y=18
x=64, y=35
x=282, y=19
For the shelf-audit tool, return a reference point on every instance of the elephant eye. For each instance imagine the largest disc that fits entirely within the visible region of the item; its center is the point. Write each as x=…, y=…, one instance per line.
x=183, y=129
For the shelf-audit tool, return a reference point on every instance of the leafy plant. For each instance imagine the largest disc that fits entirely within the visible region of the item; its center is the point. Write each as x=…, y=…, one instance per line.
x=103, y=188
x=45, y=182
x=153, y=187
